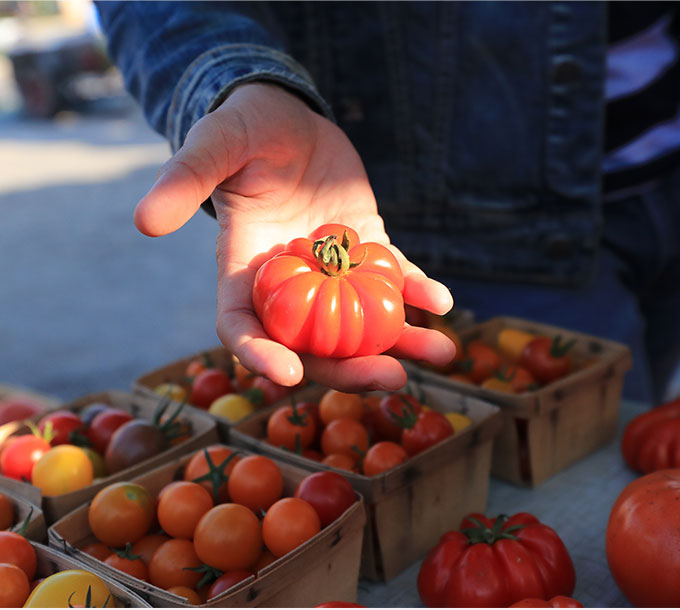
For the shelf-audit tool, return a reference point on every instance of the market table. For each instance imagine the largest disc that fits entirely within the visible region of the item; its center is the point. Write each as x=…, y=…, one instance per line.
x=575, y=502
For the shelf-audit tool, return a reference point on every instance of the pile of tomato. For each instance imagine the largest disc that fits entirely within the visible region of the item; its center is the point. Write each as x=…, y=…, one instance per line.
x=221, y=523
x=517, y=362
x=364, y=433
x=67, y=451
x=63, y=589
x=232, y=393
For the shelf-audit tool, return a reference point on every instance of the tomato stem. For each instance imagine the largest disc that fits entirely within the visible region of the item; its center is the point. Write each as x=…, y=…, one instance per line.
x=489, y=535
x=216, y=474
x=333, y=256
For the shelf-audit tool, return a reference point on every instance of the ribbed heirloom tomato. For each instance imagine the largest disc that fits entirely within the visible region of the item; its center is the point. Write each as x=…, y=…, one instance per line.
x=331, y=296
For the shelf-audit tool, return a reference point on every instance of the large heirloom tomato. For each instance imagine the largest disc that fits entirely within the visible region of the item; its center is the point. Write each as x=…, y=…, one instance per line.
x=643, y=540
x=651, y=441
x=331, y=296
x=495, y=564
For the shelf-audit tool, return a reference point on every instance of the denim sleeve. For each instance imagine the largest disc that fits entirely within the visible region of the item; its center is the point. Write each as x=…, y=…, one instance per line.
x=180, y=60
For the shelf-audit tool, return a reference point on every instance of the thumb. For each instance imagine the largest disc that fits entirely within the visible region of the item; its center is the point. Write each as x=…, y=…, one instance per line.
x=212, y=152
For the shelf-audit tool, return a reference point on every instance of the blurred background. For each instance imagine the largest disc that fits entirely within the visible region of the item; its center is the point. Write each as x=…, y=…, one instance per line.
x=87, y=303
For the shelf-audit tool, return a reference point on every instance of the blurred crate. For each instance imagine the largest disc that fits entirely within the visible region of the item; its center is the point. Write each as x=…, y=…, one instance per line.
x=325, y=567
x=28, y=514
x=547, y=429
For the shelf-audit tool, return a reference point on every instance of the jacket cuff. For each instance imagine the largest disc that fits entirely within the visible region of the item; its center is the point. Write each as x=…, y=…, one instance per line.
x=212, y=76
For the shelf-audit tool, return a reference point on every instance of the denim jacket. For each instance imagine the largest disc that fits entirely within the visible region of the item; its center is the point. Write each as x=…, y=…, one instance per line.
x=479, y=123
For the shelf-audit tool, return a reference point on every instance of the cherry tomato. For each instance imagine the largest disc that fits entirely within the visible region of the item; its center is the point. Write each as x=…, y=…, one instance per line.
x=256, y=482
x=120, y=513
x=296, y=295
x=244, y=378
x=15, y=408
x=383, y=456
x=346, y=436
x=63, y=469
x=15, y=586
x=97, y=461
x=227, y=581
x=511, y=343
x=104, y=425
x=271, y=392
x=181, y=508
x=335, y=405
x=291, y=428
x=208, y=386
x=212, y=474
x=266, y=557
x=64, y=423
x=172, y=563
x=328, y=492
x=430, y=428
x=88, y=413
x=97, y=550
x=70, y=588
x=173, y=391
x=342, y=461
x=233, y=407
x=15, y=549
x=147, y=545
x=287, y=524
x=395, y=411
x=228, y=537
x=127, y=562
x=483, y=360
x=19, y=458
x=192, y=596
x=6, y=512
x=547, y=359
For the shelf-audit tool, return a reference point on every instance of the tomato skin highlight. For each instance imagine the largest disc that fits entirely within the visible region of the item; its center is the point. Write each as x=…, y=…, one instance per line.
x=20, y=457
x=328, y=492
x=350, y=311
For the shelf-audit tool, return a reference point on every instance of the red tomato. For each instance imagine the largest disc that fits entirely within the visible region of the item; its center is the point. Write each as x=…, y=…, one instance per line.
x=395, y=412
x=271, y=392
x=15, y=586
x=346, y=436
x=297, y=292
x=482, y=360
x=291, y=428
x=146, y=546
x=430, y=428
x=64, y=423
x=19, y=458
x=14, y=408
x=227, y=581
x=127, y=562
x=209, y=385
x=520, y=379
x=494, y=567
x=651, y=441
x=15, y=549
x=643, y=540
x=104, y=425
x=98, y=550
x=559, y=601
x=328, y=492
x=383, y=456
x=547, y=359
x=287, y=524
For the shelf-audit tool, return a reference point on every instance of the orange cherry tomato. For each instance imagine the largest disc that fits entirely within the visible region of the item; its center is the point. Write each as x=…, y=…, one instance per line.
x=15, y=549
x=125, y=561
x=190, y=595
x=181, y=507
x=341, y=461
x=244, y=377
x=171, y=565
x=287, y=524
x=15, y=586
x=212, y=471
x=291, y=428
x=146, y=546
x=266, y=557
x=346, y=436
x=383, y=456
x=97, y=550
x=228, y=537
x=336, y=405
x=483, y=360
x=256, y=482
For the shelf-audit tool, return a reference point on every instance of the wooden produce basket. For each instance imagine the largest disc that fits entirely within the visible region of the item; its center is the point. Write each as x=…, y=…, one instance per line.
x=325, y=567
x=408, y=507
x=547, y=429
x=204, y=433
x=35, y=529
x=51, y=560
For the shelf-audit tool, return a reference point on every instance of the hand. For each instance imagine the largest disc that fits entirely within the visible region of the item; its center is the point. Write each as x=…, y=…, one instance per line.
x=277, y=170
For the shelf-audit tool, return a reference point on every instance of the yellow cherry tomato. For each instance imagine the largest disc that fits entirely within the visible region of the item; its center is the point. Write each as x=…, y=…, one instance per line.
x=233, y=407
x=171, y=390
x=69, y=589
x=458, y=421
x=62, y=469
x=512, y=341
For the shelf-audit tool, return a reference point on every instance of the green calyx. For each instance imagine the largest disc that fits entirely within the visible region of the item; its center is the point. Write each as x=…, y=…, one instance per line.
x=408, y=417
x=333, y=255
x=489, y=535
x=216, y=475
x=559, y=348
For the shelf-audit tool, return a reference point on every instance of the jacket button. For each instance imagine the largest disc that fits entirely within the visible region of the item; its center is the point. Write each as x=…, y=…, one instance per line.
x=566, y=70
x=559, y=247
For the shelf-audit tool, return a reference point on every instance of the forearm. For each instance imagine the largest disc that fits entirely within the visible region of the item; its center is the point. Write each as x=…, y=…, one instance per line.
x=180, y=60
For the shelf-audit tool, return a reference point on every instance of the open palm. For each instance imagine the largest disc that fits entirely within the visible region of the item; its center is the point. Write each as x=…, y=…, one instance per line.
x=276, y=170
